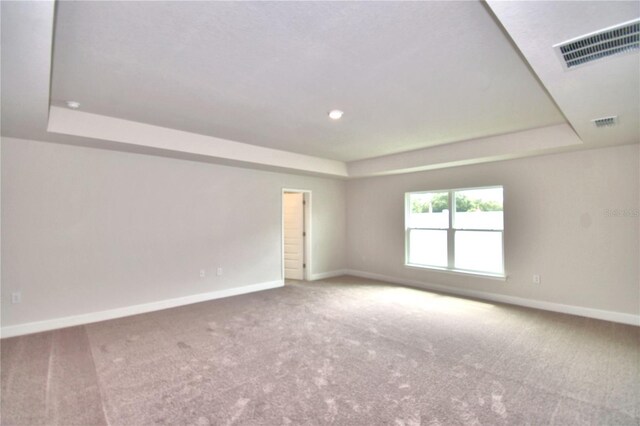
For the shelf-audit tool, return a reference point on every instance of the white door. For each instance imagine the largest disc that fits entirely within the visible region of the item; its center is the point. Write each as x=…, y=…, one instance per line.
x=293, y=207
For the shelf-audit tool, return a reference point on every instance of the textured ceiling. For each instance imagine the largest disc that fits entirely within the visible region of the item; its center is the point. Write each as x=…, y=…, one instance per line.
x=408, y=75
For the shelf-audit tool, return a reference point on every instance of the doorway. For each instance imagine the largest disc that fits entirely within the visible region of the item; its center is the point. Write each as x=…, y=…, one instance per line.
x=296, y=234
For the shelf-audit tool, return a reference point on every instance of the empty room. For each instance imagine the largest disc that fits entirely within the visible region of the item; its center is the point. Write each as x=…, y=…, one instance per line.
x=320, y=213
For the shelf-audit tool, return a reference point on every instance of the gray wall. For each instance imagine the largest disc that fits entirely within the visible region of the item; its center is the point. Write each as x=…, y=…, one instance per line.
x=86, y=230
x=555, y=226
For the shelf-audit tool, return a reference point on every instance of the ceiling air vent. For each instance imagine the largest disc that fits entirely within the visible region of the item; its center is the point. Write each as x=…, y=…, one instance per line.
x=622, y=38
x=605, y=121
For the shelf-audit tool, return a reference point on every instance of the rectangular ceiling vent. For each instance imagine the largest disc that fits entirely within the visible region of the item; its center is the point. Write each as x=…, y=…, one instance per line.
x=605, y=121
x=622, y=38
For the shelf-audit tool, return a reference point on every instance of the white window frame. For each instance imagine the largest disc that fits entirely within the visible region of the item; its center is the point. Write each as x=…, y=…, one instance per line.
x=451, y=233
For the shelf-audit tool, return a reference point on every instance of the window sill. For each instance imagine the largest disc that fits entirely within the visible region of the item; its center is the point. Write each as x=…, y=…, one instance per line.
x=498, y=277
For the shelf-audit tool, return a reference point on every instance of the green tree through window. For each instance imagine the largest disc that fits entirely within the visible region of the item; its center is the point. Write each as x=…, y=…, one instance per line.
x=440, y=203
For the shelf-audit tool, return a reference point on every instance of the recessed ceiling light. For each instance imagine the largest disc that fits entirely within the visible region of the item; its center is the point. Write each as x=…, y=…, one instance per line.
x=73, y=104
x=335, y=114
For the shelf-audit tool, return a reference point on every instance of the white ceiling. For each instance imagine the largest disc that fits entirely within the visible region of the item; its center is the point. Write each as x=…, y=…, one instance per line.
x=249, y=84
x=609, y=86
x=408, y=75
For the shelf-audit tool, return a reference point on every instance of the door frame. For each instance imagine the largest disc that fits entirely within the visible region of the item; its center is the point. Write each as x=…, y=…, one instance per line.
x=306, y=196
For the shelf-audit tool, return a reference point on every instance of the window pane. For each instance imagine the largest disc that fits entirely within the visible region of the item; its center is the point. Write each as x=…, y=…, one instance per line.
x=479, y=209
x=428, y=247
x=478, y=251
x=428, y=210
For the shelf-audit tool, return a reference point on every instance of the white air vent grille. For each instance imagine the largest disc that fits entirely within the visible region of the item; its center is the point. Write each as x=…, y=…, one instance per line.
x=616, y=40
x=605, y=121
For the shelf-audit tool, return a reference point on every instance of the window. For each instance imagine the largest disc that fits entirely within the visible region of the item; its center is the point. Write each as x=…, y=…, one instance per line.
x=458, y=230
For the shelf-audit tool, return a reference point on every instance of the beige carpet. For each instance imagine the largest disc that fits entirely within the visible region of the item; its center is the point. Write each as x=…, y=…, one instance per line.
x=343, y=351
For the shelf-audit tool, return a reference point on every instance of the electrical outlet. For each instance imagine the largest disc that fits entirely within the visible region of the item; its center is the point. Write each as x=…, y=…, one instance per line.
x=16, y=297
x=536, y=279
x=202, y=273
x=219, y=271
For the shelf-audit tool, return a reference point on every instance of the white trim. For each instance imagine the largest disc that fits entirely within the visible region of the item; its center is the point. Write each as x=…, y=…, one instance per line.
x=308, y=258
x=70, y=321
x=451, y=233
x=519, y=144
x=613, y=316
x=146, y=136
x=328, y=274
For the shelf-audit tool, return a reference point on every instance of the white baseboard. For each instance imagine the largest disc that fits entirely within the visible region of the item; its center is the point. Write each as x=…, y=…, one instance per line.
x=613, y=316
x=74, y=320
x=330, y=274
x=70, y=321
